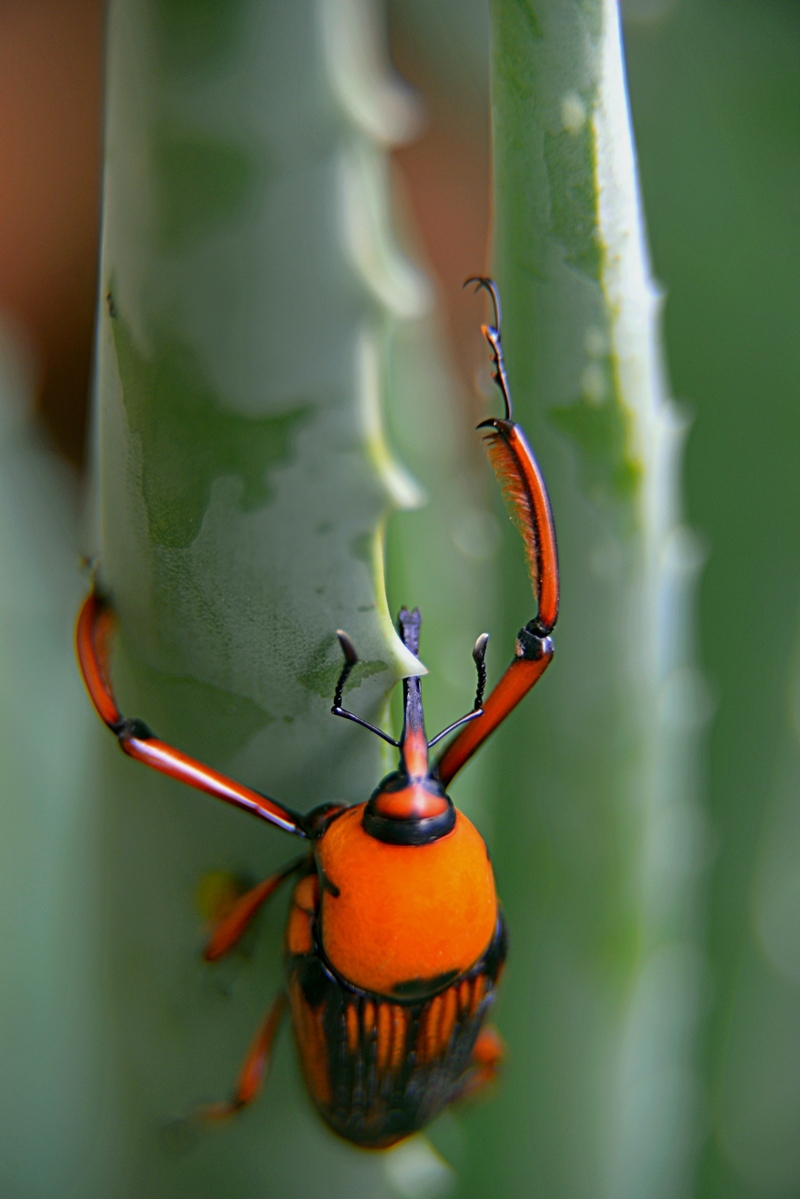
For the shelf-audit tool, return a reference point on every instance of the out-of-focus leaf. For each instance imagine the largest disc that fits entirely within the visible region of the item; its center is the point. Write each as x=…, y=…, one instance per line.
x=51, y=1014
x=716, y=99
x=597, y=834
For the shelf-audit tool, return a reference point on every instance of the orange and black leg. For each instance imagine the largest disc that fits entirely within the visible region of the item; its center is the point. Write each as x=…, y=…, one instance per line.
x=235, y=923
x=93, y=635
x=487, y=1057
x=254, y=1068
x=526, y=495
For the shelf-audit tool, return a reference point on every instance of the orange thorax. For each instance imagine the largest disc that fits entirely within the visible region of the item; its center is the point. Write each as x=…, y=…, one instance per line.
x=399, y=919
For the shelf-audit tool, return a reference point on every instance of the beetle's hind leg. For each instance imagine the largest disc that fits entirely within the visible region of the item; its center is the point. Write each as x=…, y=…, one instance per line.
x=232, y=927
x=254, y=1068
x=487, y=1057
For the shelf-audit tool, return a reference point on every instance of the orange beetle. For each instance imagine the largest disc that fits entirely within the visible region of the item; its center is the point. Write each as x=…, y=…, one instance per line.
x=394, y=940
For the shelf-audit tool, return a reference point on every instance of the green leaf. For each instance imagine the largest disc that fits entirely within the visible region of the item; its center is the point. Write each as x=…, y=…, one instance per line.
x=593, y=775
x=52, y=1032
x=203, y=184
x=569, y=155
x=721, y=153
x=244, y=481
x=187, y=438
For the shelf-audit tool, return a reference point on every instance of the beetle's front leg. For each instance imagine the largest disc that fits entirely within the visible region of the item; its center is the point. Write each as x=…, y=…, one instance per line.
x=526, y=495
x=515, y=684
x=93, y=637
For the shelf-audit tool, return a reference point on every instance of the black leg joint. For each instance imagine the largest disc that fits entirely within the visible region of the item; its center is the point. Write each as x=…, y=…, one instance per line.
x=128, y=727
x=533, y=644
x=538, y=628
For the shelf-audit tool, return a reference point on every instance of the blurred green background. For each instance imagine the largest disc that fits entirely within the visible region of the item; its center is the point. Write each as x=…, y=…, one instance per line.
x=715, y=94
x=715, y=91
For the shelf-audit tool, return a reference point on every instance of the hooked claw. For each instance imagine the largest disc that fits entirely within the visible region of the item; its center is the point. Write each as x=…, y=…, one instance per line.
x=483, y=281
x=492, y=335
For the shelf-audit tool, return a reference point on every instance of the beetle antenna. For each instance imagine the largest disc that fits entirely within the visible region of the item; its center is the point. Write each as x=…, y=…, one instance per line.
x=492, y=335
x=350, y=660
x=478, y=657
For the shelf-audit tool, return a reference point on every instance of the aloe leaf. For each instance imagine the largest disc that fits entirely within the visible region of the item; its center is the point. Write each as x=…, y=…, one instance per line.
x=597, y=830
x=743, y=488
x=240, y=387
x=754, y=1088
x=251, y=291
x=50, y=995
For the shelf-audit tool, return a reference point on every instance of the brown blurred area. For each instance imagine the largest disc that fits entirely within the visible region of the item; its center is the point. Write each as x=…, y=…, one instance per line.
x=50, y=138
x=446, y=172
x=51, y=54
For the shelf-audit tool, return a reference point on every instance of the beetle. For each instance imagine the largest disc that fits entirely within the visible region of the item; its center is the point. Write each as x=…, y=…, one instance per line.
x=395, y=940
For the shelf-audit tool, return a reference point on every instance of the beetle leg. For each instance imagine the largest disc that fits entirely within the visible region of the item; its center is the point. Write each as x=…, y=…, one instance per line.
x=526, y=496
x=254, y=1068
x=93, y=633
x=513, y=686
x=233, y=926
x=350, y=660
x=487, y=1055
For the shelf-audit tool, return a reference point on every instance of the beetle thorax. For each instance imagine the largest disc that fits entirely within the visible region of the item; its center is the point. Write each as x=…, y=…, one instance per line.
x=410, y=807
x=400, y=920
x=409, y=810
x=402, y=798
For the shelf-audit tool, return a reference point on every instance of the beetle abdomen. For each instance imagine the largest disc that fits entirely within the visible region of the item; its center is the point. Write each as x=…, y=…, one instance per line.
x=377, y=1070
